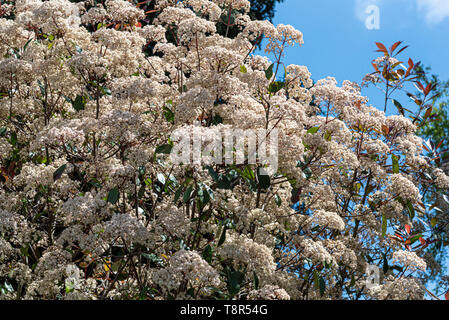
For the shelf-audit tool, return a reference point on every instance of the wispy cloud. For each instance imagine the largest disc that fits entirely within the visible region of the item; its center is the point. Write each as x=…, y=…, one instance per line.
x=434, y=11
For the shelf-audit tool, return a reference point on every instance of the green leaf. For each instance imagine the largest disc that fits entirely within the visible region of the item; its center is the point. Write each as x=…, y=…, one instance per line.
x=399, y=106
x=224, y=183
x=169, y=115
x=58, y=173
x=79, y=103
x=113, y=196
x=411, y=210
x=222, y=237
x=264, y=181
x=415, y=238
x=165, y=149
x=395, y=162
x=105, y=91
x=187, y=194
x=256, y=280
x=178, y=194
x=276, y=86
x=13, y=139
x=269, y=72
x=278, y=200
x=322, y=286
x=212, y=173
x=235, y=278
x=26, y=44
x=385, y=265
x=203, y=195
x=313, y=130
x=433, y=222
x=243, y=69
x=41, y=88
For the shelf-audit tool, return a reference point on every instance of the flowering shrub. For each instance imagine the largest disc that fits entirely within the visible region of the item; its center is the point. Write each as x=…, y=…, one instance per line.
x=92, y=207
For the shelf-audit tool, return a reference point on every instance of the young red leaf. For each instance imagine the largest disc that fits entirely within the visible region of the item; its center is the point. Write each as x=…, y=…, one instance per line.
x=410, y=67
x=427, y=89
x=440, y=144
x=447, y=295
x=394, y=46
x=382, y=48
x=401, y=50
x=408, y=228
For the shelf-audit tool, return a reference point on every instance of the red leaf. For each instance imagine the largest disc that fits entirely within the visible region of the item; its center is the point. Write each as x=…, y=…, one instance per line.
x=428, y=88
x=382, y=48
x=440, y=144
x=447, y=295
x=394, y=46
x=421, y=87
x=401, y=50
x=399, y=236
x=423, y=242
x=408, y=228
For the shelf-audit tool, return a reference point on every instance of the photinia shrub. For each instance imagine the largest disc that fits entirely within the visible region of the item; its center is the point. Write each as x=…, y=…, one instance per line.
x=92, y=205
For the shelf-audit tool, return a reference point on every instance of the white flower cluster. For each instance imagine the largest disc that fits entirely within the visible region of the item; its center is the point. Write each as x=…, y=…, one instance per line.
x=186, y=266
x=328, y=220
x=269, y=293
x=398, y=289
x=410, y=260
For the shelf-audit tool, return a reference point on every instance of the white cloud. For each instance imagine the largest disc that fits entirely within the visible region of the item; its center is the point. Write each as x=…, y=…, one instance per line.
x=434, y=11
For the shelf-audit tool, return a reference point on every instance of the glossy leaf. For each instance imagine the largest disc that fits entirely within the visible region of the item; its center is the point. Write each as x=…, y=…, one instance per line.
x=113, y=196
x=58, y=173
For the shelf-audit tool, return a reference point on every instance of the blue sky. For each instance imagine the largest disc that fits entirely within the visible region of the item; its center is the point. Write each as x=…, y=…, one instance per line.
x=337, y=42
